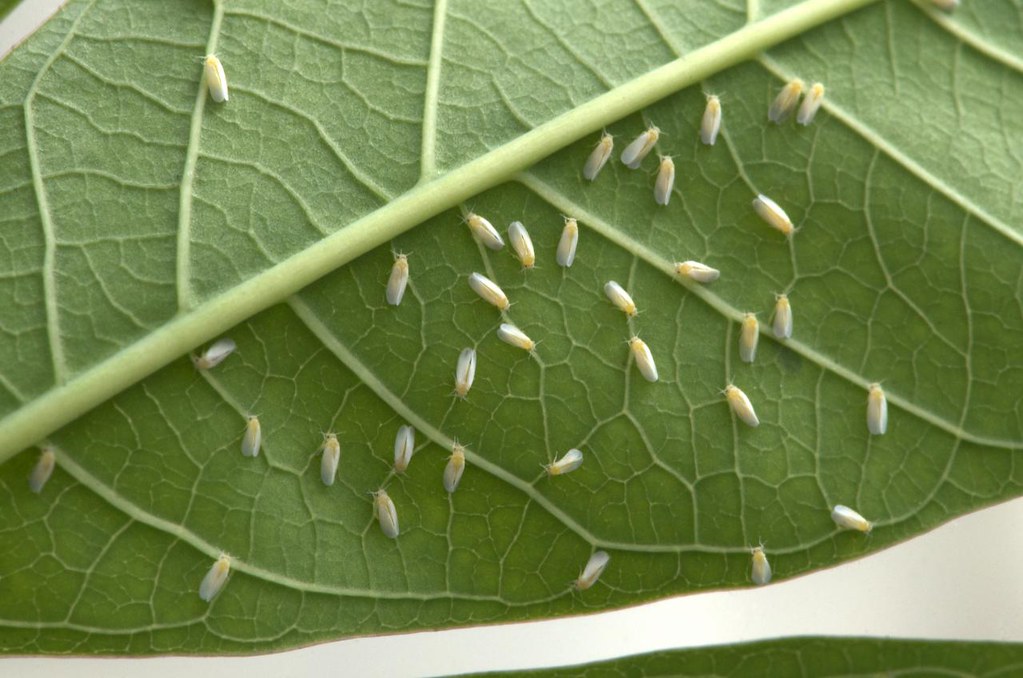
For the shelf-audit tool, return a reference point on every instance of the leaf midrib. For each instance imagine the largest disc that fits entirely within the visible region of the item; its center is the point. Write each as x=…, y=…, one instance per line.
x=64, y=403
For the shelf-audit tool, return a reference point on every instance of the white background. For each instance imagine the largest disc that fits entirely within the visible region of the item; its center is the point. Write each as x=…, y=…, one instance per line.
x=961, y=581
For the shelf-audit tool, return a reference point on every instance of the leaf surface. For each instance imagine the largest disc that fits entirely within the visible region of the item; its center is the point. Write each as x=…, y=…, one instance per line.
x=812, y=657
x=143, y=220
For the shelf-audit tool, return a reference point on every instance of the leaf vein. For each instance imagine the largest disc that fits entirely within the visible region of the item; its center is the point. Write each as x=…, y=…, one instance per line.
x=969, y=38
x=308, y=317
x=49, y=272
x=904, y=160
x=349, y=165
x=138, y=514
x=615, y=235
x=331, y=42
x=183, y=263
x=428, y=158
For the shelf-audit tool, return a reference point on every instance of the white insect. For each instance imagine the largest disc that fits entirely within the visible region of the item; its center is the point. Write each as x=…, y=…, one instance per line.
x=644, y=359
x=465, y=371
x=947, y=5
x=398, y=281
x=489, y=291
x=741, y=405
x=665, y=181
x=385, y=513
x=640, y=147
x=783, y=317
x=591, y=573
x=484, y=231
x=571, y=460
x=43, y=470
x=215, y=578
x=404, y=446
x=253, y=438
x=775, y=216
x=761, y=573
x=599, y=157
x=848, y=519
x=510, y=334
x=520, y=241
x=456, y=466
x=811, y=104
x=694, y=270
x=711, y=124
x=331, y=458
x=749, y=336
x=877, y=410
x=620, y=298
x=215, y=354
x=786, y=101
x=568, y=243
x=216, y=81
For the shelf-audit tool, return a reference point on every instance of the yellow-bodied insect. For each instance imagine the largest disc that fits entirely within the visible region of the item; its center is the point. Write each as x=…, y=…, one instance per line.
x=785, y=103
x=489, y=291
x=398, y=281
x=215, y=578
x=571, y=460
x=513, y=336
x=522, y=244
x=216, y=80
x=741, y=405
x=568, y=243
x=811, y=104
x=599, y=157
x=43, y=469
x=465, y=371
x=215, y=354
x=848, y=519
x=385, y=513
x=484, y=231
x=711, y=123
x=773, y=214
x=620, y=298
x=877, y=410
x=331, y=458
x=761, y=571
x=640, y=147
x=404, y=447
x=694, y=270
x=783, y=317
x=456, y=466
x=644, y=358
x=749, y=337
x=252, y=440
x=591, y=573
x=665, y=181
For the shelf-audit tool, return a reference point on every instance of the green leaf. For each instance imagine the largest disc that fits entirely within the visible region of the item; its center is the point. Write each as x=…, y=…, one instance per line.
x=6, y=6
x=143, y=220
x=814, y=657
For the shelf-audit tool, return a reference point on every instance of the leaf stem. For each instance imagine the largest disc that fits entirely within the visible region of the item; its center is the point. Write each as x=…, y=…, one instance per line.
x=63, y=404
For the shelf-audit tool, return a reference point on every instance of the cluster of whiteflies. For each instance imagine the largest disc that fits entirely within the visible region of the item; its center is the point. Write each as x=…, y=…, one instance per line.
x=384, y=509
x=780, y=111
